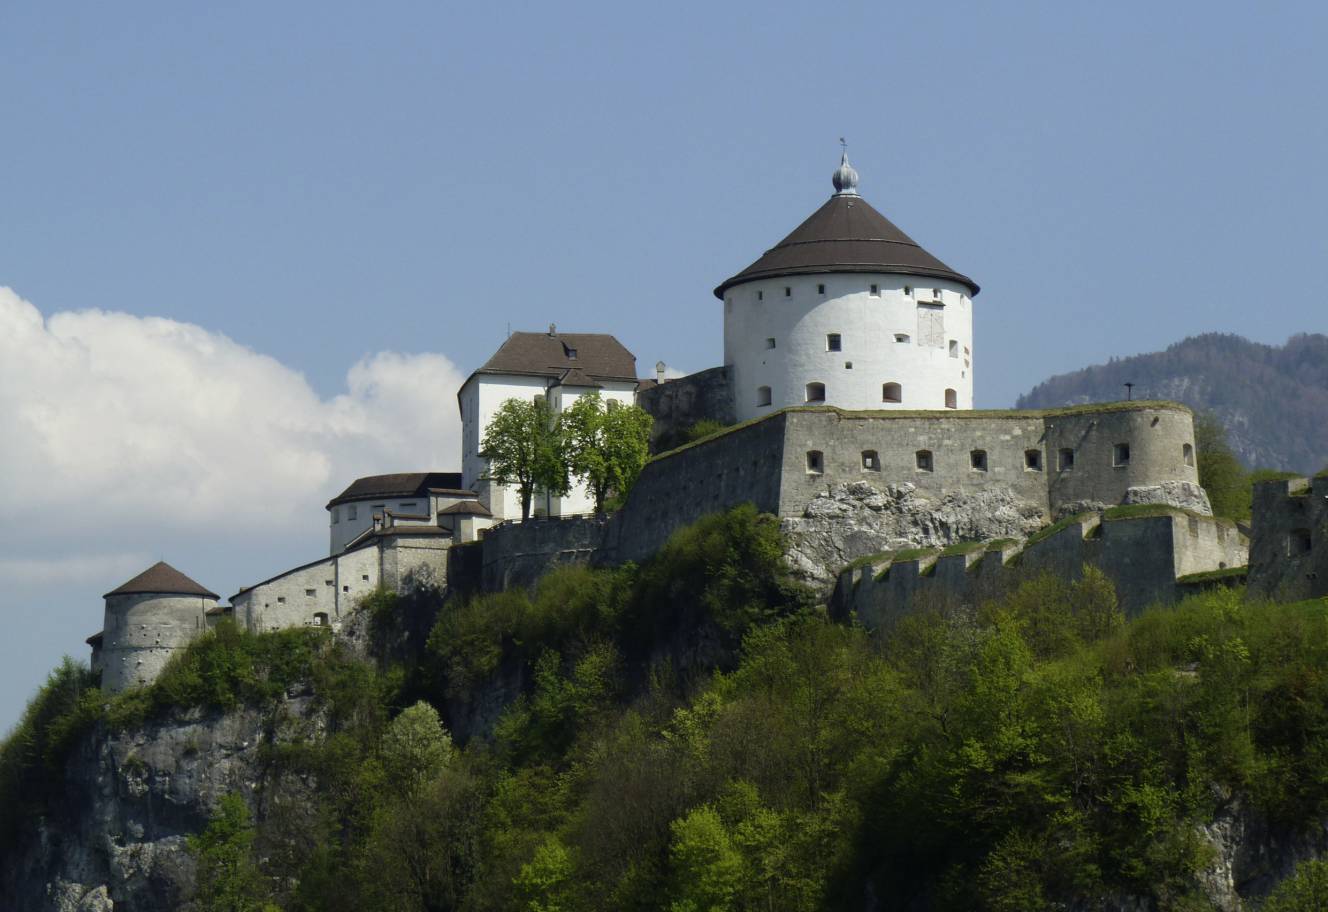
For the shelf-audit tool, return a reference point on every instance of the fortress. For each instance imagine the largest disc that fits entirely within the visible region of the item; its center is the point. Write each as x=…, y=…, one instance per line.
x=846, y=398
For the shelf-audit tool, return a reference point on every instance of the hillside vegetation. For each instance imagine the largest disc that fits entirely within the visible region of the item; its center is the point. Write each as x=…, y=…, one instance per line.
x=1272, y=400
x=694, y=735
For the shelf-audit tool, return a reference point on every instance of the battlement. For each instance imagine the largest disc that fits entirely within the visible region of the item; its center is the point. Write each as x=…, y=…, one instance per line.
x=1144, y=552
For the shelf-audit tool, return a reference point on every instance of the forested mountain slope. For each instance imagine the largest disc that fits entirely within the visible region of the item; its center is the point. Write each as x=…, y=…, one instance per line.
x=1273, y=400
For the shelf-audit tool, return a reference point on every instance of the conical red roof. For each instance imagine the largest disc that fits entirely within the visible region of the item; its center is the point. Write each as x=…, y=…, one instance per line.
x=162, y=579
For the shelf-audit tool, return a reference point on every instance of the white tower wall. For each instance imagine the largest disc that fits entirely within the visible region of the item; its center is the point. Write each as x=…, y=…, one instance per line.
x=143, y=630
x=911, y=330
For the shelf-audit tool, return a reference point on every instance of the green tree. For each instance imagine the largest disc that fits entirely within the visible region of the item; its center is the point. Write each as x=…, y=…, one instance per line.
x=607, y=444
x=228, y=879
x=416, y=748
x=1220, y=472
x=525, y=449
x=1305, y=891
x=707, y=868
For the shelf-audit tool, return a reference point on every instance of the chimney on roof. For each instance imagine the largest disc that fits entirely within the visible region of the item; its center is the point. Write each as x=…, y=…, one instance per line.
x=553, y=329
x=659, y=371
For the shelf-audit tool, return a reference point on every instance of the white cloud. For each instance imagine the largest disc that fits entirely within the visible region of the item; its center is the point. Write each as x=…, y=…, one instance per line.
x=117, y=421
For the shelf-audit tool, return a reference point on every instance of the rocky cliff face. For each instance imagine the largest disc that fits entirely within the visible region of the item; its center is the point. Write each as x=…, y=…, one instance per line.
x=118, y=840
x=857, y=519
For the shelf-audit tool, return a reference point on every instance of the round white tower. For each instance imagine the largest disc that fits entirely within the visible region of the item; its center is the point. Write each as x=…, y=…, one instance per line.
x=147, y=620
x=848, y=311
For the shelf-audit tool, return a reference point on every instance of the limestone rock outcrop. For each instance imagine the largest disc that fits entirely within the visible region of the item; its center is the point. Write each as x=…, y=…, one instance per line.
x=1183, y=494
x=131, y=798
x=857, y=519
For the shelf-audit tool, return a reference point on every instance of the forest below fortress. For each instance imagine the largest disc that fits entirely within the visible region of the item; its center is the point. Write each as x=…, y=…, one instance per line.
x=693, y=734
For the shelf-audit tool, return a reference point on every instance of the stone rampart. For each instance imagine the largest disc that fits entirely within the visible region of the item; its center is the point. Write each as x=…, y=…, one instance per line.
x=516, y=554
x=678, y=404
x=1142, y=555
x=1055, y=460
x=324, y=591
x=1289, y=539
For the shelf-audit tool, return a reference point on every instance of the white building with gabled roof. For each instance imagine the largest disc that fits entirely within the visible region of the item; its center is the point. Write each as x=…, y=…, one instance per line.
x=558, y=367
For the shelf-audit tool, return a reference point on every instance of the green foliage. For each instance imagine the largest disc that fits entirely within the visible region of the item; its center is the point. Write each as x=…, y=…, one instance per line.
x=32, y=756
x=727, y=567
x=706, y=427
x=1220, y=472
x=416, y=748
x=228, y=879
x=1305, y=891
x=526, y=450
x=225, y=668
x=607, y=444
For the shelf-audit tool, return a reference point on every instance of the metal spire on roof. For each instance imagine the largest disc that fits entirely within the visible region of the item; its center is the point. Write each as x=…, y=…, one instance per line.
x=845, y=178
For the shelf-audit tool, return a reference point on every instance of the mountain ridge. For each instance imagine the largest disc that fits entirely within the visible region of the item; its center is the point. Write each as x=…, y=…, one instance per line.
x=1273, y=400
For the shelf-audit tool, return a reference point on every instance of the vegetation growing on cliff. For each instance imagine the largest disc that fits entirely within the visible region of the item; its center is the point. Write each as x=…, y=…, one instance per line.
x=693, y=734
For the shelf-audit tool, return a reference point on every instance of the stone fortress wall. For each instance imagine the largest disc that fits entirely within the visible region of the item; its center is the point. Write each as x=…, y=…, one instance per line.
x=1144, y=556
x=1061, y=460
x=1289, y=540
x=323, y=592
x=142, y=631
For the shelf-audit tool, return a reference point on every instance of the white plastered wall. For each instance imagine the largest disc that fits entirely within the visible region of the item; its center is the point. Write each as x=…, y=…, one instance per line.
x=897, y=335
x=480, y=399
x=142, y=631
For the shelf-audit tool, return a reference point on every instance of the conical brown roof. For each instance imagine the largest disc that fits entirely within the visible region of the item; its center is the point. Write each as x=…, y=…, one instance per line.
x=162, y=579
x=846, y=235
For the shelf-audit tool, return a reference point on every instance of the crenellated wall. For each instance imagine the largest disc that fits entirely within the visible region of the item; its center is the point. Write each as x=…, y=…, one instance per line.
x=1143, y=556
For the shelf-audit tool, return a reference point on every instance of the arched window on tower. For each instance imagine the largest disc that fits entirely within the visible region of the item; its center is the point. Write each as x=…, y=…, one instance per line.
x=892, y=392
x=815, y=391
x=951, y=399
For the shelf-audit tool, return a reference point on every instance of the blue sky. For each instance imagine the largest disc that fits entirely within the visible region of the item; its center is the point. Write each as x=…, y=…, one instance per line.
x=313, y=185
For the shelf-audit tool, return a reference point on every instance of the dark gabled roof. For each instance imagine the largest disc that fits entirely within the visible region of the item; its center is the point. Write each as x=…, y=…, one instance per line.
x=95, y=640
x=162, y=579
x=846, y=235
x=576, y=377
x=551, y=354
x=403, y=484
x=467, y=507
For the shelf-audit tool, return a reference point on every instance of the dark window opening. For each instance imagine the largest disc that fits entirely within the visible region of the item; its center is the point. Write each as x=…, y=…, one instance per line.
x=763, y=395
x=815, y=462
x=978, y=460
x=1066, y=459
x=1299, y=542
x=1120, y=454
x=815, y=392
x=1033, y=460
x=951, y=399
x=871, y=462
x=834, y=343
x=892, y=392
x=924, y=460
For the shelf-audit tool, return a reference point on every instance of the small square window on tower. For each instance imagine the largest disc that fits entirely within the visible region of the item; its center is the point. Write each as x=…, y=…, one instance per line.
x=770, y=343
x=815, y=462
x=760, y=296
x=788, y=292
x=876, y=290
x=1120, y=455
x=1065, y=459
x=1033, y=460
x=924, y=461
x=978, y=460
x=820, y=289
x=834, y=343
